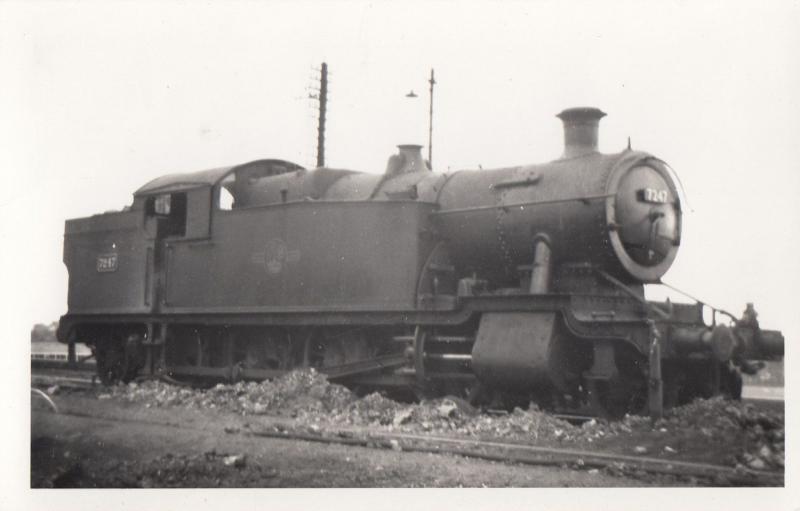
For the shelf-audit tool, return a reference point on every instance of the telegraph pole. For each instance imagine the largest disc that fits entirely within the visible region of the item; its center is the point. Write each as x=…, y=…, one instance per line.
x=430, y=123
x=323, y=100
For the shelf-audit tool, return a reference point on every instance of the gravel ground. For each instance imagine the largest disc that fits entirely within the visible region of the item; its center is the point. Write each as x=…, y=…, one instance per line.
x=713, y=431
x=128, y=445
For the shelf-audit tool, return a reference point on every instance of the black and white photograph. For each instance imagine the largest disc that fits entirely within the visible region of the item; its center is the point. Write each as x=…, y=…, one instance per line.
x=372, y=254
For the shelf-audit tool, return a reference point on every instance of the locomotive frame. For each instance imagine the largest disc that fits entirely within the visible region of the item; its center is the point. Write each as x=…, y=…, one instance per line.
x=508, y=285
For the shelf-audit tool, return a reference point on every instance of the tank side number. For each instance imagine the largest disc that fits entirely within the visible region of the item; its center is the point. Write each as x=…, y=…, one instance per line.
x=107, y=262
x=654, y=196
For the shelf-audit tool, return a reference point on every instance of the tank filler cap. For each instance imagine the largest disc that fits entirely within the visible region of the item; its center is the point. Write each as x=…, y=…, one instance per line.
x=580, y=130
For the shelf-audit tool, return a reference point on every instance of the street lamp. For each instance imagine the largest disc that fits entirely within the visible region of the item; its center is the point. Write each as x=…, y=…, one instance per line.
x=413, y=94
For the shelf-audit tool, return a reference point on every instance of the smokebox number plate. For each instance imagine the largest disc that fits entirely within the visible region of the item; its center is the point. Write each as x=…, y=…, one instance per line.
x=653, y=196
x=106, y=262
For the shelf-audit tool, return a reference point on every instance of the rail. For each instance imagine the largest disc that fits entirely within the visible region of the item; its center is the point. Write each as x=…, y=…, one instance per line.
x=505, y=452
x=533, y=455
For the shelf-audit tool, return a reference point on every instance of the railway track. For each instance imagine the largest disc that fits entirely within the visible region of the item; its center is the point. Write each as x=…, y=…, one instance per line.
x=503, y=452
x=46, y=373
x=506, y=452
x=498, y=451
x=41, y=364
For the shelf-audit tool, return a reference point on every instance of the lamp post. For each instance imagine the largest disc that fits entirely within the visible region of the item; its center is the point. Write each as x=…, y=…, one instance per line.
x=413, y=94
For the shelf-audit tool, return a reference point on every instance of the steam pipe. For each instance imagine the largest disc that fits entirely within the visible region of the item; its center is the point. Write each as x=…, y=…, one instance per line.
x=540, y=274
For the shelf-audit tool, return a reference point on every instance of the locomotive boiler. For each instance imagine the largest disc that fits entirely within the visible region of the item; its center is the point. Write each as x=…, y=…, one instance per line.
x=507, y=285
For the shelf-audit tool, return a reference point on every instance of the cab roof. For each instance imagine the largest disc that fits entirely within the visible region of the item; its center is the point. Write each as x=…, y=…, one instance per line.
x=203, y=178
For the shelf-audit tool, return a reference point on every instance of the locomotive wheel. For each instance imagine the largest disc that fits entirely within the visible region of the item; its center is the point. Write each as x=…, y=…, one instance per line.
x=612, y=399
x=731, y=382
x=109, y=363
x=268, y=353
x=334, y=353
x=336, y=350
x=117, y=360
x=705, y=379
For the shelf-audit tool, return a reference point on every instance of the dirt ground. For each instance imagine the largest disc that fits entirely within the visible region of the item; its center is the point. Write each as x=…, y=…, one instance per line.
x=154, y=448
x=158, y=434
x=730, y=433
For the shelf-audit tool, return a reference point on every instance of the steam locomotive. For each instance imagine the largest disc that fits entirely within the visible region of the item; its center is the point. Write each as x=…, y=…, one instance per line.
x=512, y=284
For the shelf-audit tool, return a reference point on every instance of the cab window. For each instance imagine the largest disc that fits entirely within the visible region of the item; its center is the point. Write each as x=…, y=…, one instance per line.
x=171, y=209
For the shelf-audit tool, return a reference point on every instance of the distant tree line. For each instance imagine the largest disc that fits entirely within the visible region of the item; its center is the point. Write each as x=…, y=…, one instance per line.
x=44, y=333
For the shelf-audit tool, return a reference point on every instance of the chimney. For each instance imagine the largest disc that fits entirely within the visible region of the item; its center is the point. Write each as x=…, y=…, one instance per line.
x=580, y=130
x=409, y=159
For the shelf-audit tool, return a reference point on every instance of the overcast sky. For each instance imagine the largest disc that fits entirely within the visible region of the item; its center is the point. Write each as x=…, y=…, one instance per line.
x=105, y=96
x=97, y=98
